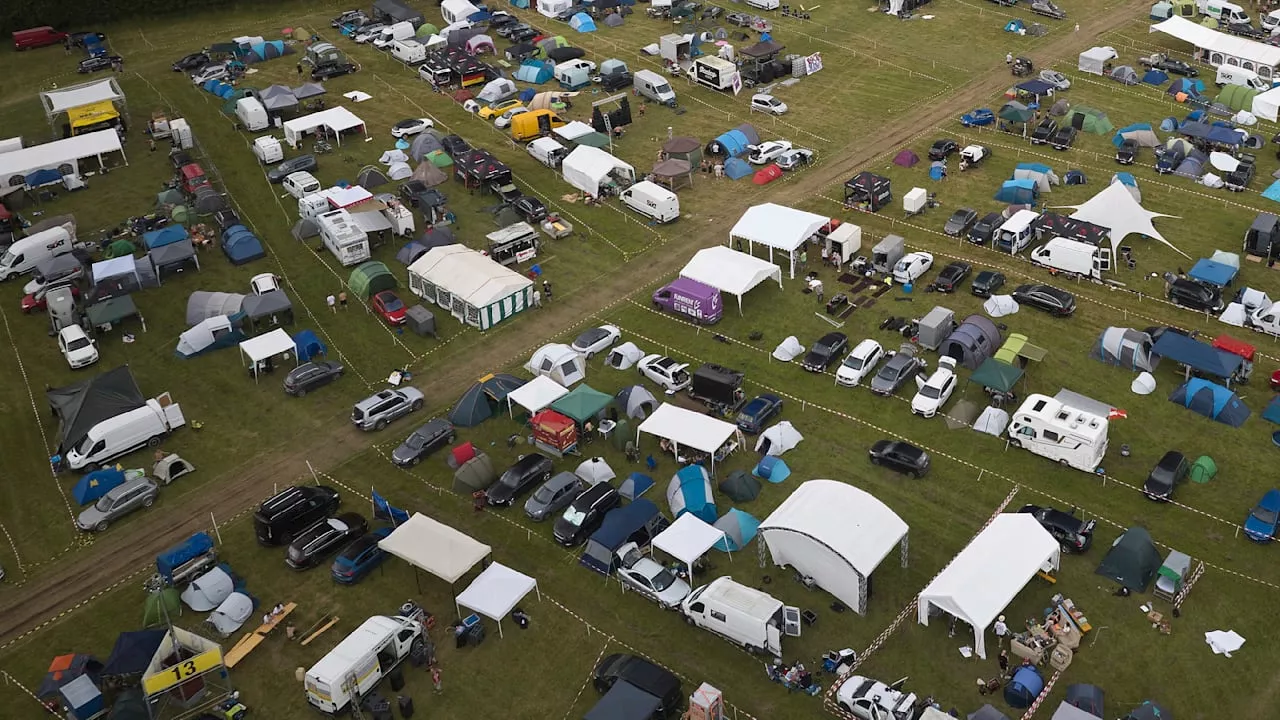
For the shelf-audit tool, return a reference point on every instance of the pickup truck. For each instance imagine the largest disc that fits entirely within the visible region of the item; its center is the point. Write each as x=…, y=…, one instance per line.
x=1044, y=131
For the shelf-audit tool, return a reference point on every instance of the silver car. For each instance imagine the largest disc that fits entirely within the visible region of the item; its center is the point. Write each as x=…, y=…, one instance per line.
x=119, y=501
x=375, y=411
x=649, y=578
x=553, y=496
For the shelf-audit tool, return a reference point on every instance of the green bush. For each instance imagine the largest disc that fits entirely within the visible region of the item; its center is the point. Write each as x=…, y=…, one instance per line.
x=20, y=14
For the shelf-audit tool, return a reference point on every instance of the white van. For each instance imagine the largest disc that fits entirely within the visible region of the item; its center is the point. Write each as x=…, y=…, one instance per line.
x=1232, y=75
x=1225, y=12
x=399, y=31
x=23, y=256
x=1073, y=256
x=764, y=4
x=251, y=114
x=365, y=657
x=655, y=87
x=742, y=615
x=547, y=151
x=125, y=433
x=268, y=150
x=301, y=184
x=409, y=52
x=653, y=201
x=1014, y=234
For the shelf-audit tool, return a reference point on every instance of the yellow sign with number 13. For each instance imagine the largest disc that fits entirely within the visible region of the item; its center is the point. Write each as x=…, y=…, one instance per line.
x=183, y=671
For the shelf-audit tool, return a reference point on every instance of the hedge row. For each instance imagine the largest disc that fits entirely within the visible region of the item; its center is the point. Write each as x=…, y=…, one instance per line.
x=85, y=15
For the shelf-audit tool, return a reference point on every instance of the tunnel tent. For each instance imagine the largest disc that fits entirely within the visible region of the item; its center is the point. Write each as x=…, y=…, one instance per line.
x=202, y=305
x=1127, y=348
x=689, y=491
x=1212, y=401
x=475, y=474
x=370, y=278
x=975, y=340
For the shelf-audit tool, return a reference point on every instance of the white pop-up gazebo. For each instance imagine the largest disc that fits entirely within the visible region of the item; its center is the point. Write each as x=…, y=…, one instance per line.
x=683, y=427
x=335, y=120
x=535, y=395
x=777, y=227
x=435, y=547
x=984, y=578
x=495, y=592
x=730, y=271
x=263, y=347
x=687, y=539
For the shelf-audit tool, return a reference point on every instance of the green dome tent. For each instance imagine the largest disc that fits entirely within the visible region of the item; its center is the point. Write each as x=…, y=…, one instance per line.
x=180, y=214
x=119, y=248
x=439, y=158
x=371, y=278
x=166, y=604
x=1087, y=119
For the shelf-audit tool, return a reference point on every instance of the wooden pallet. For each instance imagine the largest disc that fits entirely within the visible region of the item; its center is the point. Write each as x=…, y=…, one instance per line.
x=252, y=640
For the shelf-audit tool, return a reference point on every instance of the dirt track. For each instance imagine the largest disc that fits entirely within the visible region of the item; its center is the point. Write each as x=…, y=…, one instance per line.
x=128, y=548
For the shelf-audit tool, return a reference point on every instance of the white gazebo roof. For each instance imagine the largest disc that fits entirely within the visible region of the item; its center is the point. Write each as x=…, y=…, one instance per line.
x=536, y=394
x=271, y=344
x=685, y=427
x=74, y=96
x=587, y=167
x=495, y=592
x=59, y=152
x=777, y=227
x=728, y=270
x=688, y=538
x=435, y=547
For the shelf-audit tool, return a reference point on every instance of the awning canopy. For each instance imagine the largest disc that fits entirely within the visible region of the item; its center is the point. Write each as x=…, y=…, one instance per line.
x=730, y=271
x=435, y=547
x=777, y=227
x=535, y=395
x=1115, y=208
x=336, y=120
x=685, y=427
x=257, y=349
x=688, y=539
x=495, y=592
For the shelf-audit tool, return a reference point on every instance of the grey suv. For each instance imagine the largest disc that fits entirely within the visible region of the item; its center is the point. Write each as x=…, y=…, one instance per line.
x=119, y=501
x=375, y=411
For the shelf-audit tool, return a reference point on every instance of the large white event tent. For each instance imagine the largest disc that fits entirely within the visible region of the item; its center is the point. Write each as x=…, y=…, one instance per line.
x=495, y=592
x=1223, y=49
x=983, y=579
x=435, y=547
x=260, y=348
x=60, y=100
x=535, y=395
x=17, y=164
x=777, y=227
x=691, y=429
x=588, y=169
x=687, y=539
x=1115, y=208
x=728, y=270
x=335, y=120
x=836, y=534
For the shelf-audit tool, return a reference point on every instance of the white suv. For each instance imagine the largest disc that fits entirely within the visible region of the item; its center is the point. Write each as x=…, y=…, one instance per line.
x=666, y=372
x=934, y=392
x=77, y=347
x=860, y=363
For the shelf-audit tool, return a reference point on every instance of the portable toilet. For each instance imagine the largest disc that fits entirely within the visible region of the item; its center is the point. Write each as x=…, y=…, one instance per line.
x=887, y=253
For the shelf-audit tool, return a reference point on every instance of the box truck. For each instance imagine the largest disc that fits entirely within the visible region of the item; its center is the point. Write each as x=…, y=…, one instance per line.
x=343, y=237
x=742, y=615
x=24, y=255
x=696, y=301
x=653, y=201
x=1073, y=256
x=251, y=114
x=1050, y=428
x=360, y=661
x=713, y=72
x=122, y=434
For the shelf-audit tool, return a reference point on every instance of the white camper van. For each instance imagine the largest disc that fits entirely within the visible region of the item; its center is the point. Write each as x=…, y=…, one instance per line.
x=547, y=151
x=655, y=87
x=742, y=615
x=360, y=661
x=653, y=201
x=399, y=31
x=122, y=434
x=251, y=114
x=1232, y=75
x=1271, y=21
x=1224, y=12
x=23, y=256
x=301, y=184
x=409, y=52
x=343, y=237
x=1073, y=256
x=1049, y=428
x=1014, y=234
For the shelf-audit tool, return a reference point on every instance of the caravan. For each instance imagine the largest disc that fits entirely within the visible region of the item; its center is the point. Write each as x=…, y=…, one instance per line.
x=357, y=664
x=653, y=201
x=1050, y=428
x=1015, y=234
x=409, y=52
x=343, y=237
x=742, y=615
x=1074, y=257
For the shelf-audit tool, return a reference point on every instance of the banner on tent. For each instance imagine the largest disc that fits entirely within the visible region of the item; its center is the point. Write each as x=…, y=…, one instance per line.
x=735, y=82
x=526, y=255
x=813, y=63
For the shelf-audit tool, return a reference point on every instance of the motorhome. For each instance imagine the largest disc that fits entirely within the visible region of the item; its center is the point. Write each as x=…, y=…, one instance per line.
x=1052, y=429
x=358, y=663
x=653, y=201
x=409, y=52
x=1074, y=257
x=348, y=243
x=742, y=615
x=124, y=433
x=24, y=255
x=513, y=244
x=651, y=85
x=1232, y=75
x=251, y=114
x=1015, y=234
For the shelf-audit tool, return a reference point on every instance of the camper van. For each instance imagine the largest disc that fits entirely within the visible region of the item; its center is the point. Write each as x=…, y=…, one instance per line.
x=696, y=301
x=742, y=615
x=343, y=237
x=1073, y=256
x=653, y=201
x=122, y=434
x=1015, y=234
x=409, y=52
x=251, y=114
x=1224, y=12
x=23, y=256
x=1051, y=429
x=548, y=151
x=1271, y=21
x=399, y=31
x=357, y=664
x=1232, y=75
x=514, y=243
x=655, y=87
x=301, y=184
x=527, y=126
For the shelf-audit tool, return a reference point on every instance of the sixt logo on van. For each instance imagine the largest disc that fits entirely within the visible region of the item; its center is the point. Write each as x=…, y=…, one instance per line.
x=56, y=244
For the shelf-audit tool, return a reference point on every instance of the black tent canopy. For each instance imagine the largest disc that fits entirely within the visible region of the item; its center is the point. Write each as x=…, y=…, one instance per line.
x=82, y=405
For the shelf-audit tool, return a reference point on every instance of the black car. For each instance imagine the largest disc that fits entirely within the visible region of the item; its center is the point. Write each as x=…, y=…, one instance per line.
x=454, y=145
x=502, y=19
x=1064, y=138
x=323, y=539
x=643, y=675
x=94, y=64
x=1072, y=533
x=1044, y=131
x=282, y=515
x=984, y=230
x=302, y=163
x=523, y=34
x=617, y=81
x=1194, y=295
x=1246, y=30
x=952, y=277
x=1127, y=153
x=311, y=376
x=1165, y=476
x=530, y=208
x=506, y=30
x=960, y=222
x=943, y=148
x=757, y=412
x=1238, y=180
x=436, y=433
x=585, y=514
x=986, y=283
x=1177, y=67
x=1047, y=298
x=527, y=472
x=828, y=349
x=900, y=456
x=332, y=70
x=192, y=62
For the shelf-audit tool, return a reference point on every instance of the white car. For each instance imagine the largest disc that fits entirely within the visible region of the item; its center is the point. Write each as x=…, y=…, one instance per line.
x=503, y=121
x=649, y=578
x=77, y=347
x=369, y=33
x=765, y=103
x=597, y=339
x=412, y=126
x=911, y=267
x=767, y=152
x=1056, y=79
x=868, y=699
x=209, y=72
x=672, y=376
x=263, y=283
x=860, y=363
x=934, y=392
x=794, y=158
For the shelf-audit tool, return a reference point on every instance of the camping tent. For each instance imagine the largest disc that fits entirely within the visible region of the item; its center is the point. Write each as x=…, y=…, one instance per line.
x=241, y=246
x=739, y=529
x=734, y=142
x=688, y=539
x=836, y=534
x=209, y=334
x=435, y=547
x=1125, y=347
x=82, y=405
x=683, y=427
x=210, y=589
x=535, y=394
x=202, y=305
x=594, y=471
x=1212, y=401
x=558, y=362
x=906, y=158
x=472, y=408
x=1095, y=59
x=495, y=592
x=1042, y=174
x=164, y=236
x=94, y=485
x=1017, y=192
x=534, y=72
x=985, y=577
x=232, y=613
x=1140, y=133
x=789, y=349
x=635, y=485
x=475, y=474
x=740, y=486
x=1086, y=697
x=1155, y=77
x=582, y=22
x=589, y=169
x=690, y=492
x=1132, y=561
x=496, y=90
x=1218, y=270
x=1090, y=120
x=308, y=346
x=636, y=401
x=623, y=356
x=272, y=306
x=1115, y=208
x=777, y=227
x=987, y=712
x=1149, y=710
x=471, y=286
x=778, y=439
x=370, y=278
x=1024, y=687
x=131, y=655
x=730, y=271
x=583, y=403
x=992, y=421
x=971, y=343
x=1125, y=74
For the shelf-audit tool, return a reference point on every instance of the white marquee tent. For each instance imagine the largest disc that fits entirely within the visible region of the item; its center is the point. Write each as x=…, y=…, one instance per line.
x=495, y=592
x=335, y=120
x=1262, y=58
x=985, y=577
x=1267, y=105
x=435, y=547
x=60, y=100
x=728, y=270
x=777, y=227
x=685, y=427
x=259, y=349
x=687, y=539
x=1115, y=208
x=534, y=395
x=836, y=534
x=470, y=285
x=588, y=168
x=16, y=165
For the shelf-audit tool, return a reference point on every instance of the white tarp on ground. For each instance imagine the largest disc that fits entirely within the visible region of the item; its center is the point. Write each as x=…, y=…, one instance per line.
x=1267, y=105
x=687, y=539
x=984, y=578
x=16, y=165
x=336, y=120
x=1224, y=643
x=789, y=349
x=624, y=356
x=435, y=547
x=777, y=227
x=74, y=96
x=685, y=427
x=1261, y=55
x=1115, y=208
x=835, y=533
x=536, y=394
x=730, y=271
x=259, y=348
x=209, y=590
x=587, y=168
x=495, y=592
x=781, y=438
x=992, y=421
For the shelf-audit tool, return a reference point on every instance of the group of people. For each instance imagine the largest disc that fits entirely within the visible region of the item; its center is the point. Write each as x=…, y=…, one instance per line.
x=794, y=677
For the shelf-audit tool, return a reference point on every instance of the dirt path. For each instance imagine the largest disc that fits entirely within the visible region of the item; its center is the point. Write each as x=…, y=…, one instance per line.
x=128, y=548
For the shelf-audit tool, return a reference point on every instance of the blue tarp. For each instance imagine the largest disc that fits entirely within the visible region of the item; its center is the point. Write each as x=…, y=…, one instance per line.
x=583, y=23
x=533, y=71
x=1198, y=355
x=384, y=510
x=132, y=652
x=308, y=346
x=241, y=245
x=1155, y=77
x=1211, y=400
x=47, y=176
x=1272, y=192
x=96, y=484
x=1017, y=192
x=739, y=529
x=164, y=236
x=734, y=143
x=1272, y=413
x=690, y=492
x=1036, y=87
x=736, y=168
x=1211, y=133
x=635, y=485
x=191, y=548
x=1213, y=272
x=1125, y=178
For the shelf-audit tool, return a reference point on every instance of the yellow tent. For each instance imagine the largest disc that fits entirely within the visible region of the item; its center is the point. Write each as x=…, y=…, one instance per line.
x=92, y=114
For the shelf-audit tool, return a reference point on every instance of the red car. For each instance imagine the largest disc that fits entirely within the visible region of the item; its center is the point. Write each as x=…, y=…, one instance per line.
x=390, y=307
x=33, y=302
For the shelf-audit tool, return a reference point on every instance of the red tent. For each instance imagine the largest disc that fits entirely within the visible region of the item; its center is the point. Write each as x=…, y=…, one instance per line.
x=767, y=174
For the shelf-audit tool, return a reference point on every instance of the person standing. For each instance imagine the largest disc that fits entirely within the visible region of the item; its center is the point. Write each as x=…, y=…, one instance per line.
x=546, y=289
x=299, y=69
x=332, y=302
x=1001, y=630
x=804, y=260
x=342, y=299
x=537, y=298
x=1004, y=662
x=435, y=679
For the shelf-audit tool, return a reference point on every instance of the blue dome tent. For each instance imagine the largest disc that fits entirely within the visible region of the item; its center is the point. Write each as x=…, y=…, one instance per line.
x=533, y=71
x=1212, y=401
x=736, y=168
x=241, y=245
x=411, y=251
x=732, y=143
x=96, y=484
x=739, y=529
x=1169, y=124
x=1075, y=177
x=164, y=236
x=1014, y=26
x=635, y=485
x=1155, y=77
x=1017, y=192
x=690, y=492
x=583, y=23
x=1024, y=688
x=308, y=346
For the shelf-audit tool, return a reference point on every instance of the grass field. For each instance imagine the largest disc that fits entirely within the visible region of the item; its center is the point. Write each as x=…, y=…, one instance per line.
x=877, y=73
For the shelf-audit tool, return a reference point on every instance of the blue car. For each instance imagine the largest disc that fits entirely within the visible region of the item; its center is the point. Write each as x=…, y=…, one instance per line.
x=1260, y=526
x=752, y=418
x=359, y=558
x=978, y=117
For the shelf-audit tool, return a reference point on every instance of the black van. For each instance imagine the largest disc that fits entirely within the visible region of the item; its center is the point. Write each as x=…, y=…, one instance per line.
x=294, y=509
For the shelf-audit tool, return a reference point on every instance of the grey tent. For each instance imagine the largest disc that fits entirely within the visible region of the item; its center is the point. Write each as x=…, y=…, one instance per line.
x=636, y=401
x=1149, y=710
x=1126, y=347
x=173, y=258
x=750, y=133
x=208, y=201
x=1086, y=697
x=82, y=405
x=1132, y=561
x=613, y=19
x=279, y=101
x=1060, y=108
x=472, y=408
x=305, y=229
x=475, y=474
x=411, y=251
x=422, y=144
x=371, y=177
x=986, y=712
x=1126, y=75
x=1067, y=711
x=268, y=309
x=274, y=90
x=496, y=90
x=308, y=90
x=438, y=236
x=202, y=305
x=635, y=485
x=673, y=173
x=1193, y=165
x=740, y=486
x=624, y=701
x=420, y=320
x=172, y=196
x=975, y=340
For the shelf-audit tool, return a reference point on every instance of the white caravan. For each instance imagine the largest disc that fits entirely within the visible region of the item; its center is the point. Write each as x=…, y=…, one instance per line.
x=1049, y=428
x=343, y=237
x=360, y=661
